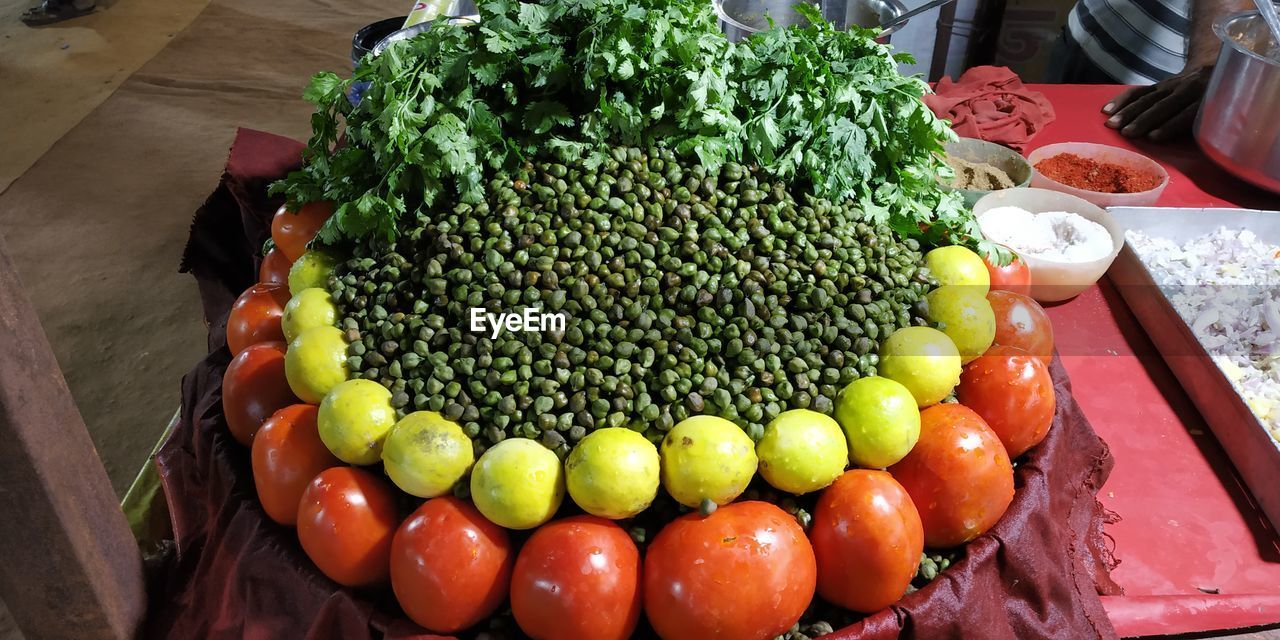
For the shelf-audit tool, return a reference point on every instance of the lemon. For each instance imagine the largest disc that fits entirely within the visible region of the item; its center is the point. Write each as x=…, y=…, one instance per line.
x=316, y=362
x=960, y=266
x=426, y=454
x=924, y=360
x=966, y=317
x=517, y=484
x=707, y=458
x=880, y=419
x=308, y=309
x=613, y=473
x=354, y=419
x=802, y=451
x=312, y=269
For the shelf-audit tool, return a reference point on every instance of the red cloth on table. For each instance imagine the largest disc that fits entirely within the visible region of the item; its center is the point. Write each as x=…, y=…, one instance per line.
x=237, y=574
x=992, y=104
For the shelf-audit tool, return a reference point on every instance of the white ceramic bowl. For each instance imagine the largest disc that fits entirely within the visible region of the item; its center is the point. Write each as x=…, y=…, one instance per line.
x=1101, y=153
x=1052, y=280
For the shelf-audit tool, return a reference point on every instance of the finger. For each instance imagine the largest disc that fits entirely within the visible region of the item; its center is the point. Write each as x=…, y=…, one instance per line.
x=1127, y=113
x=1123, y=98
x=1158, y=114
x=1176, y=125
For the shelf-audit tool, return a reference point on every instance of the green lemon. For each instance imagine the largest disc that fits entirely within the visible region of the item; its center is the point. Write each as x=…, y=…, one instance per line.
x=880, y=420
x=960, y=266
x=354, y=419
x=707, y=458
x=312, y=269
x=802, y=451
x=924, y=360
x=426, y=454
x=517, y=484
x=308, y=309
x=613, y=473
x=966, y=317
x=316, y=362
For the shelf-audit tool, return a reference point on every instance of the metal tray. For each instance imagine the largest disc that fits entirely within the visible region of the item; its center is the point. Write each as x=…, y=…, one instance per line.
x=1241, y=434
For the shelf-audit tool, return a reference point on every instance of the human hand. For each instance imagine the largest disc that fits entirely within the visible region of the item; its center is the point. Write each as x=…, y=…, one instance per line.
x=1160, y=111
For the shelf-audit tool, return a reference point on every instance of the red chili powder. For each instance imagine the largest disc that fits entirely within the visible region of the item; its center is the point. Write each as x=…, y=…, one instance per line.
x=1091, y=175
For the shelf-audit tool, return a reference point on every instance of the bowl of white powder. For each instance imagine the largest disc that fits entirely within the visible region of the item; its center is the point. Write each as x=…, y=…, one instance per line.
x=1067, y=242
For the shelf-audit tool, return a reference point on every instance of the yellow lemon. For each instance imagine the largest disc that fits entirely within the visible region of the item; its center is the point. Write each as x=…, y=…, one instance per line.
x=354, y=419
x=924, y=360
x=517, y=484
x=613, y=473
x=880, y=419
x=308, y=309
x=966, y=317
x=312, y=269
x=802, y=451
x=316, y=362
x=707, y=458
x=960, y=266
x=426, y=454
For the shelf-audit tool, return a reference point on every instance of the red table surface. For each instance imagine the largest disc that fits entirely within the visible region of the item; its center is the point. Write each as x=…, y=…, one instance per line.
x=1195, y=553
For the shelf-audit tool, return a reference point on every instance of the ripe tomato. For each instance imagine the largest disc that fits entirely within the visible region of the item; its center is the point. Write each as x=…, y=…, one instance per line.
x=1015, y=276
x=346, y=521
x=450, y=566
x=868, y=539
x=253, y=388
x=275, y=268
x=1021, y=322
x=577, y=579
x=1012, y=391
x=255, y=316
x=287, y=454
x=292, y=231
x=958, y=475
x=745, y=572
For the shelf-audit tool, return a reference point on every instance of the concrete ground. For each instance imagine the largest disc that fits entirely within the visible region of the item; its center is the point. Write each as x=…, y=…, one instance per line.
x=53, y=77
x=56, y=75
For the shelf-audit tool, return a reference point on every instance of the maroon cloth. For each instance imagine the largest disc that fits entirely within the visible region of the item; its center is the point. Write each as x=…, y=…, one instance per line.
x=992, y=104
x=237, y=574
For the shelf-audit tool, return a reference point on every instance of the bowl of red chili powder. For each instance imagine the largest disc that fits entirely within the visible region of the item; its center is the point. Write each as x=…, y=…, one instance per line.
x=1103, y=175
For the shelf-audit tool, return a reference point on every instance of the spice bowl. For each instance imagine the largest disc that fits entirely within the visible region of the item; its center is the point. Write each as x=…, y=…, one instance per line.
x=1103, y=154
x=982, y=152
x=1054, y=280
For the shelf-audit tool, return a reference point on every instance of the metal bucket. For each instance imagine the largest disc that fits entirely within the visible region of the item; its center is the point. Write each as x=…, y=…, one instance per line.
x=741, y=18
x=1238, y=127
x=363, y=42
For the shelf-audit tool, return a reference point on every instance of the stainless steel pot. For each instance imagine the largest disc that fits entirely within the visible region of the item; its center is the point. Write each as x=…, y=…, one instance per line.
x=741, y=18
x=1238, y=126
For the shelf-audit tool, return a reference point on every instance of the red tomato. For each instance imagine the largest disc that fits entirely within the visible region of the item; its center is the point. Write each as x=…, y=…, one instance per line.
x=287, y=454
x=1012, y=391
x=745, y=572
x=255, y=316
x=867, y=538
x=275, y=268
x=577, y=579
x=450, y=566
x=253, y=388
x=1021, y=322
x=346, y=521
x=1015, y=276
x=958, y=475
x=292, y=231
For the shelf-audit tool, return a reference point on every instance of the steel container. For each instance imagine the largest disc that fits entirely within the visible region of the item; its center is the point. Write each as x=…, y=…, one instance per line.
x=1228, y=415
x=741, y=18
x=1238, y=126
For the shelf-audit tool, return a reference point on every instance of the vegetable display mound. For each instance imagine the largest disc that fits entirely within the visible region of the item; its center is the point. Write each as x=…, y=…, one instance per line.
x=589, y=277
x=686, y=291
